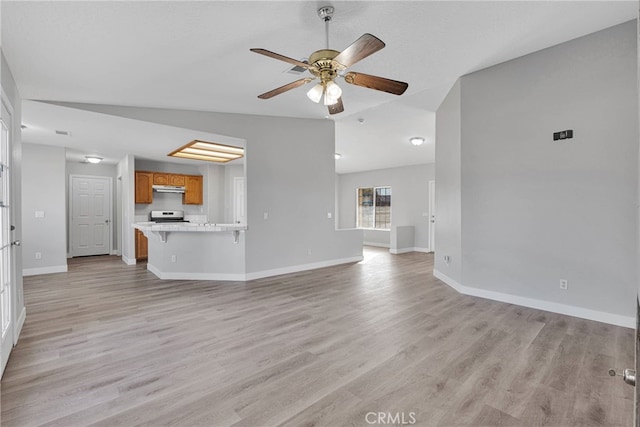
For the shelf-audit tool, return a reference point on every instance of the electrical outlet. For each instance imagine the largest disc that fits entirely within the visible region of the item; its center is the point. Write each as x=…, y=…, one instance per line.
x=564, y=284
x=308, y=251
x=329, y=215
x=173, y=258
x=39, y=214
x=447, y=259
x=265, y=216
x=38, y=255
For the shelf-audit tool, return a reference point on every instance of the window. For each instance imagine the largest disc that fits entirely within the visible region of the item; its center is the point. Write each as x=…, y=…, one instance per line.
x=374, y=208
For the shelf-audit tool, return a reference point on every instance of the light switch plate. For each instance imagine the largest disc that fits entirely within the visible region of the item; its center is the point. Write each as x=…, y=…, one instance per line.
x=39, y=214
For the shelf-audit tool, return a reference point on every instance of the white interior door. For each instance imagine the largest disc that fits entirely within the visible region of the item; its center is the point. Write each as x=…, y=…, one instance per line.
x=239, y=201
x=6, y=287
x=432, y=216
x=90, y=227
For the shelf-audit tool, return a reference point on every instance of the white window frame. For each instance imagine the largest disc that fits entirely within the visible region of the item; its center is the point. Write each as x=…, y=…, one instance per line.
x=374, y=209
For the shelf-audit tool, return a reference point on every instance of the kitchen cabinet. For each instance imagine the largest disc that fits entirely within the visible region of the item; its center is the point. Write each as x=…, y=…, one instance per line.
x=177, y=179
x=160, y=178
x=146, y=180
x=144, y=187
x=142, y=246
x=192, y=190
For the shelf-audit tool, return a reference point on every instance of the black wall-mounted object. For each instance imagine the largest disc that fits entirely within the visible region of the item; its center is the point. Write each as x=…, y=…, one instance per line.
x=564, y=134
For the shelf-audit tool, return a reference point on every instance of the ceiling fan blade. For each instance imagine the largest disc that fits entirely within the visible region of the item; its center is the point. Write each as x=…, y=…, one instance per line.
x=378, y=83
x=336, y=108
x=280, y=57
x=359, y=49
x=284, y=88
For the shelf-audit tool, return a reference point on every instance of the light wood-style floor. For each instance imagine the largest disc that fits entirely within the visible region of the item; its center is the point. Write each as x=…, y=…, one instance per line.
x=112, y=345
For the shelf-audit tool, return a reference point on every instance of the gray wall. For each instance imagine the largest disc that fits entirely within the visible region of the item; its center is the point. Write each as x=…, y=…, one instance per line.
x=535, y=211
x=10, y=90
x=289, y=178
x=44, y=189
x=409, y=199
x=101, y=169
x=448, y=186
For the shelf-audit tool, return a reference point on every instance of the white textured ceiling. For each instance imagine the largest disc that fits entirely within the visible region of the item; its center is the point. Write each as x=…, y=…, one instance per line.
x=195, y=55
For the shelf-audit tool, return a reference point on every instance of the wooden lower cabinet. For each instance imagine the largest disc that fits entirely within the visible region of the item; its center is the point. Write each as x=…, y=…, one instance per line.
x=142, y=247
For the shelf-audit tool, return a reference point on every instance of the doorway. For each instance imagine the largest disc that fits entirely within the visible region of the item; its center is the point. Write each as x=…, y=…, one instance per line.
x=90, y=222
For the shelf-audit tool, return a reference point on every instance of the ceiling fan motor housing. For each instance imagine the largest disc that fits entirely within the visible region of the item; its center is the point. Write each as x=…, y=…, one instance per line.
x=323, y=65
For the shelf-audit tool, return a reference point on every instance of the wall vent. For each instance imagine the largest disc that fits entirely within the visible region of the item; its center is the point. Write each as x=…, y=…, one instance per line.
x=62, y=132
x=297, y=69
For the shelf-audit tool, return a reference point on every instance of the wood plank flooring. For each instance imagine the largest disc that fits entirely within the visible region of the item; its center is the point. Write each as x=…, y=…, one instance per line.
x=111, y=345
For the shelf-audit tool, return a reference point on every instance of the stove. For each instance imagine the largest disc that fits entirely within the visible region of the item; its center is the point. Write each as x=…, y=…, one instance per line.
x=166, y=216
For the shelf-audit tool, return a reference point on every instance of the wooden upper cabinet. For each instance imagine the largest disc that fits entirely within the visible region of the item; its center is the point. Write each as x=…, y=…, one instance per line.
x=160, y=178
x=177, y=180
x=144, y=187
x=193, y=190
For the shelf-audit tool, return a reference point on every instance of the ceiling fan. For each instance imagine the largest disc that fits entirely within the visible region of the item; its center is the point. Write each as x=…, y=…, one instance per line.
x=328, y=64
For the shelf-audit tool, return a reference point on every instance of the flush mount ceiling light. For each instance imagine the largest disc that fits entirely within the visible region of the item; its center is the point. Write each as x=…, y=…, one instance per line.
x=93, y=159
x=337, y=156
x=327, y=64
x=209, y=151
x=416, y=140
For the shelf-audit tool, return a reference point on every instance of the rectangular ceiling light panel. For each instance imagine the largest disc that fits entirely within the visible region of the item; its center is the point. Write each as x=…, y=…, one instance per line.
x=209, y=151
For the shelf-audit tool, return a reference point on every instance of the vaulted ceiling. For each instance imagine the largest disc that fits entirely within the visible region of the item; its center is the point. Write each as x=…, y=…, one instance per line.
x=195, y=56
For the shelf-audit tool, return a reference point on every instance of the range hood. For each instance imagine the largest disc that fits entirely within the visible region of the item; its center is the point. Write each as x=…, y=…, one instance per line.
x=168, y=188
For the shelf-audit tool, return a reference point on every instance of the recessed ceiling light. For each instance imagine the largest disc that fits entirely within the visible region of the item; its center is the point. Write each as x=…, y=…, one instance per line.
x=23, y=126
x=63, y=132
x=416, y=140
x=93, y=159
x=361, y=120
x=209, y=151
x=337, y=156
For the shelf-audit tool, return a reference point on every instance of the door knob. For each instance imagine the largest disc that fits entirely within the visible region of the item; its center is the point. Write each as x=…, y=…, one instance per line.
x=628, y=375
x=15, y=243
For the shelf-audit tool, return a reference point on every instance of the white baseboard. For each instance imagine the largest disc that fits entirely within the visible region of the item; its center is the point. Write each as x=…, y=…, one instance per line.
x=242, y=277
x=301, y=267
x=554, y=307
x=19, y=324
x=405, y=250
x=426, y=250
x=129, y=261
x=400, y=251
x=44, y=270
x=194, y=276
x=377, y=245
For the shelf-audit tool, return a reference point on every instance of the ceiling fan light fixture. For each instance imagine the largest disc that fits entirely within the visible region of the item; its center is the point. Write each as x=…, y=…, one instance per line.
x=332, y=93
x=315, y=93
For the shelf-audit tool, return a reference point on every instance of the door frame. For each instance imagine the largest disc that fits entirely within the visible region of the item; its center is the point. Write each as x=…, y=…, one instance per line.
x=71, y=233
x=432, y=213
x=237, y=179
x=14, y=324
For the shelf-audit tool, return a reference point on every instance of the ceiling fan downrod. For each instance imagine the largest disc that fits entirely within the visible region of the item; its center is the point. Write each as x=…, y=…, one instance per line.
x=326, y=13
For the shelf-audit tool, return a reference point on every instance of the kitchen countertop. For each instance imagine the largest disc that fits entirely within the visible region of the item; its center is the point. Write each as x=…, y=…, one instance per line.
x=187, y=227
